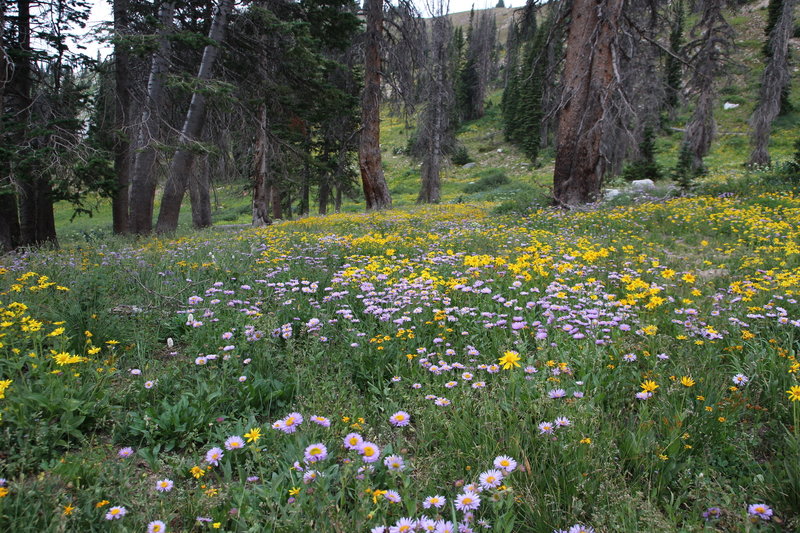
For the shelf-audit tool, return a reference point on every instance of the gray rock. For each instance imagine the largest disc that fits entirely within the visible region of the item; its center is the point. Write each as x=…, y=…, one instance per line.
x=610, y=194
x=470, y=165
x=643, y=185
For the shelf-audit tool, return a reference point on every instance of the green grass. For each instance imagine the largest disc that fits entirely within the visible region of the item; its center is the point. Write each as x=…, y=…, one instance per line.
x=336, y=316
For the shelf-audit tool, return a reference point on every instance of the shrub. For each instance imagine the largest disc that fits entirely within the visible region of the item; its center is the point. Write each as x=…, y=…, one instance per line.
x=487, y=180
x=646, y=167
x=460, y=156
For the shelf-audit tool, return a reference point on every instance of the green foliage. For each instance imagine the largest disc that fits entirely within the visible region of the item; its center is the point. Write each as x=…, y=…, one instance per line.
x=522, y=98
x=487, y=180
x=460, y=155
x=683, y=174
x=645, y=167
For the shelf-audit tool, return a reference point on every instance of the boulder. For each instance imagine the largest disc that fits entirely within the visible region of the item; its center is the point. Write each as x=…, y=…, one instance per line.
x=642, y=185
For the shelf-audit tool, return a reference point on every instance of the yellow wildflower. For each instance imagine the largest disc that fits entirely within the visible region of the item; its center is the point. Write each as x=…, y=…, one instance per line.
x=794, y=393
x=509, y=360
x=649, y=386
x=253, y=435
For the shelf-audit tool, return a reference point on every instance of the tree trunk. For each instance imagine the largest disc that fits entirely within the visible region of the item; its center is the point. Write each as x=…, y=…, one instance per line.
x=9, y=217
x=305, y=188
x=324, y=195
x=275, y=198
x=192, y=128
x=9, y=222
x=712, y=49
x=337, y=204
x=376, y=192
x=200, y=193
x=261, y=185
x=143, y=182
x=122, y=103
x=773, y=81
x=36, y=221
x=589, y=82
x=434, y=127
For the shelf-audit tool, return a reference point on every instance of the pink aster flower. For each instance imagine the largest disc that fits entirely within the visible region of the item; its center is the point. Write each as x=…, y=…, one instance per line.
x=125, y=452
x=316, y=452
x=434, y=501
x=352, y=441
x=369, y=451
x=310, y=476
x=234, y=443
x=546, y=428
x=506, y=463
x=116, y=512
x=393, y=496
x=400, y=419
x=214, y=455
x=156, y=526
x=164, y=485
x=468, y=501
x=394, y=463
x=760, y=510
x=290, y=423
x=445, y=526
x=404, y=525
x=321, y=420
x=563, y=421
x=491, y=478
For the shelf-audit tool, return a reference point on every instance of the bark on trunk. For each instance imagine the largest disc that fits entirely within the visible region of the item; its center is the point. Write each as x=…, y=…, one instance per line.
x=589, y=83
x=192, y=128
x=36, y=221
x=324, y=195
x=701, y=129
x=305, y=189
x=435, y=123
x=337, y=204
x=200, y=193
x=261, y=185
x=376, y=192
x=9, y=222
x=773, y=81
x=275, y=198
x=122, y=155
x=143, y=180
x=712, y=49
x=9, y=217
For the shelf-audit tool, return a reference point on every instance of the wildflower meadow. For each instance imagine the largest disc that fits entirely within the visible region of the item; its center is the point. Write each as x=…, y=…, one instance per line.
x=442, y=369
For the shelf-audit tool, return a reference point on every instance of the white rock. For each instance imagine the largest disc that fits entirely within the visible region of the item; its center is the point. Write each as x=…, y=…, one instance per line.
x=470, y=165
x=610, y=194
x=729, y=105
x=643, y=185
x=499, y=150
